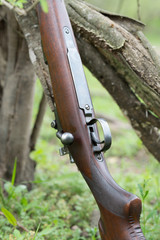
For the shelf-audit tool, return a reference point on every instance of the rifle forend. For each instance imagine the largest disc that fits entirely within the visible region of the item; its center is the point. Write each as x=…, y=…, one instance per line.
x=76, y=124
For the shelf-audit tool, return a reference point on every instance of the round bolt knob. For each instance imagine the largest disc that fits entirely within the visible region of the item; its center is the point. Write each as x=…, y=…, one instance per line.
x=67, y=138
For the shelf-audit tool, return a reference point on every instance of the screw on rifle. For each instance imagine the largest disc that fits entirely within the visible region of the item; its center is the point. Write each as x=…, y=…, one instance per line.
x=87, y=107
x=67, y=31
x=53, y=124
x=99, y=157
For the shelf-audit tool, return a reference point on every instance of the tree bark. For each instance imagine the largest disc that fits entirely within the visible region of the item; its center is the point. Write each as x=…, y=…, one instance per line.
x=17, y=91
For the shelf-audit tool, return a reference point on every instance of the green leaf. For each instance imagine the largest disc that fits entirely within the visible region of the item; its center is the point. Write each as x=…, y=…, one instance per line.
x=9, y=189
x=140, y=190
x=36, y=231
x=44, y=5
x=20, y=189
x=17, y=234
x=146, y=193
x=9, y=216
x=14, y=172
x=55, y=221
x=45, y=232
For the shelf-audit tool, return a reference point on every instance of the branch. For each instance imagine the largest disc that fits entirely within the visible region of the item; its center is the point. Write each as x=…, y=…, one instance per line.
x=38, y=123
x=14, y=8
x=138, y=10
x=19, y=11
x=1, y=214
x=32, y=6
x=22, y=227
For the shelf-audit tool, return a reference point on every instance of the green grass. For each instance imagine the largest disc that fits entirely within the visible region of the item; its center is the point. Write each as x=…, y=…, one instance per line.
x=60, y=205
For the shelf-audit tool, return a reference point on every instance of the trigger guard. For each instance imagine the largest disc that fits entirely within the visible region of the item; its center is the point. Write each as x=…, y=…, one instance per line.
x=106, y=132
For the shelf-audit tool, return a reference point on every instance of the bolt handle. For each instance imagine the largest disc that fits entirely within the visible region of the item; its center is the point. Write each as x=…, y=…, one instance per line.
x=66, y=138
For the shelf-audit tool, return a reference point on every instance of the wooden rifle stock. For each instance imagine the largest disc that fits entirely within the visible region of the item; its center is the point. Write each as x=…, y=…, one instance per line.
x=76, y=124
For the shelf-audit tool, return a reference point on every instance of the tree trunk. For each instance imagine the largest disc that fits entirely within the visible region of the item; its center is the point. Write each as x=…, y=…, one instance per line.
x=16, y=100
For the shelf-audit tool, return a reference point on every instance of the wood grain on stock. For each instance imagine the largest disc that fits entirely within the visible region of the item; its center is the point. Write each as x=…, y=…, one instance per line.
x=120, y=210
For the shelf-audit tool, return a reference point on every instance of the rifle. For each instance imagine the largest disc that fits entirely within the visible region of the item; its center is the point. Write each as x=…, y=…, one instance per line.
x=76, y=127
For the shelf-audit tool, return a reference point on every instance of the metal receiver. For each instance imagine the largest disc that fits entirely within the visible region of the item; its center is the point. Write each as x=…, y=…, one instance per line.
x=84, y=102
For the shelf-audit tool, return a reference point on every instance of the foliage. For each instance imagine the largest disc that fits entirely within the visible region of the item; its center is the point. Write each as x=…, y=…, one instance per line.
x=44, y=5
x=20, y=4
x=17, y=3
x=55, y=206
x=11, y=219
